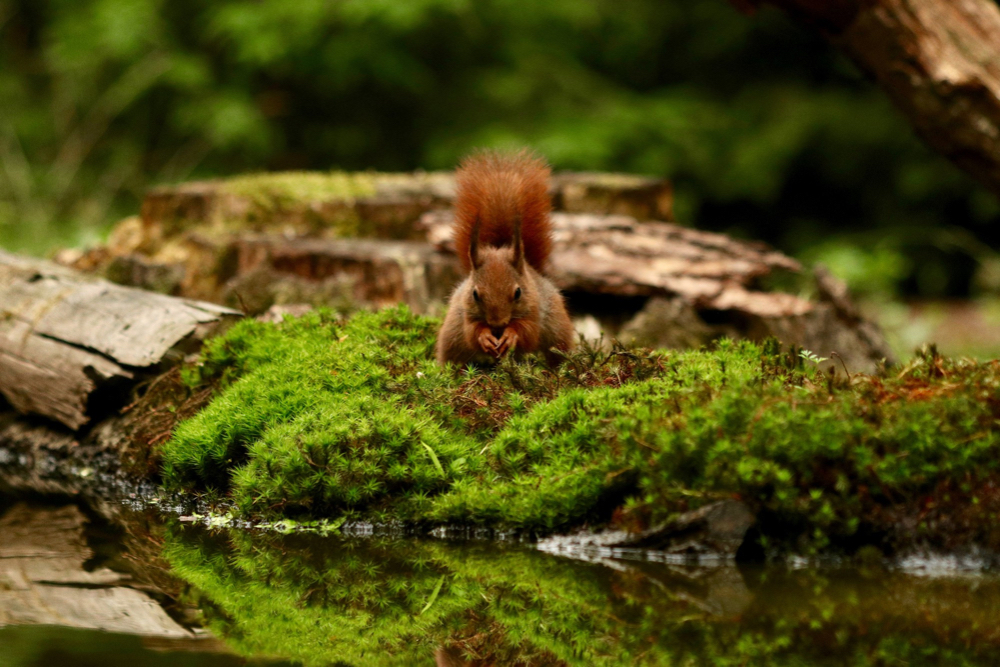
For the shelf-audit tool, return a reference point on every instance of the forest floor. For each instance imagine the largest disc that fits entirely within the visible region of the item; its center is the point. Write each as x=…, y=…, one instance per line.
x=351, y=419
x=959, y=327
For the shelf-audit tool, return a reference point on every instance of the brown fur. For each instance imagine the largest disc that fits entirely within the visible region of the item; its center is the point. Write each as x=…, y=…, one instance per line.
x=495, y=188
x=503, y=237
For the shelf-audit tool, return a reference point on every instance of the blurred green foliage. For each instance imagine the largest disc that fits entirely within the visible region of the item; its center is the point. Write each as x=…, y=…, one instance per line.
x=766, y=131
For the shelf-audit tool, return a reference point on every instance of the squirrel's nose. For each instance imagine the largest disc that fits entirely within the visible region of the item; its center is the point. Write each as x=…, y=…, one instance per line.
x=497, y=321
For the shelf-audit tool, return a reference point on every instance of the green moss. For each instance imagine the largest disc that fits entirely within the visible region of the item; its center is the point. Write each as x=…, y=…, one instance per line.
x=307, y=201
x=309, y=419
x=301, y=187
x=353, y=418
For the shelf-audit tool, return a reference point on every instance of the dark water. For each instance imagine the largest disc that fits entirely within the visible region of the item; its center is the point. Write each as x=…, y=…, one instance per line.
x=135, y=589
x=52, y=646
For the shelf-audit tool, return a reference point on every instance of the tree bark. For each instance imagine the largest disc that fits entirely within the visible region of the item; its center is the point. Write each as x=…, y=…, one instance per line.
x=65, y=337
x=939, y=61
x=621, y=256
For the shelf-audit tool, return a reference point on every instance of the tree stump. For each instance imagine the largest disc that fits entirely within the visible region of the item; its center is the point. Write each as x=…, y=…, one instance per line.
x=369, y=240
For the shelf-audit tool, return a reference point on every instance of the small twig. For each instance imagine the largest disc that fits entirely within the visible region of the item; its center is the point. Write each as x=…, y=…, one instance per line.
x=243, y=306
x=837, y=356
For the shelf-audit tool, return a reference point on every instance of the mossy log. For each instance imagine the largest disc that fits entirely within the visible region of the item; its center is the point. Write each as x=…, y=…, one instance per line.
x=362, y=240
x=181, y=244
x=69, y=342
x=377, y=205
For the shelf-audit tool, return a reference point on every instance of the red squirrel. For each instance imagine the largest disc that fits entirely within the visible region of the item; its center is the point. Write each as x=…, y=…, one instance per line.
x=503, y=237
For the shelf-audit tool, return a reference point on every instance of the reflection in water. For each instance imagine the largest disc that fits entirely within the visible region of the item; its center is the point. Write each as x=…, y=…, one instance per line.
x=321, y=601
x=60, y=603
x=403, y=603
x=48, y=646
x=44, y=579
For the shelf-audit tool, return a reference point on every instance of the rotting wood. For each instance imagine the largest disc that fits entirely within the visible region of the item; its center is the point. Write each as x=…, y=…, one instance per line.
x=700, y=276
x=375, y=205
x=65, y=338
x=182, y=242
x=334, y=271
x=938, y=60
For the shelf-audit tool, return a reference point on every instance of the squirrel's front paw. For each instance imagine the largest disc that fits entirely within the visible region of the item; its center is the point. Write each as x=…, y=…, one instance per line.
x=507, y=342
x=488, y=343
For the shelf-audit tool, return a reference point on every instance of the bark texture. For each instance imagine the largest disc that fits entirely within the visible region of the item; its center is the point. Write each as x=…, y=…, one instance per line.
x=699, y=286
x=618, y=255
x=67, y=340
x=377, y=205
x=187, y=241
x=939, y=61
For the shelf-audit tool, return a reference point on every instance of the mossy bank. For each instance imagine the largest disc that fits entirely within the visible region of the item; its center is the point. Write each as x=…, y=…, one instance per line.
x=328, y=417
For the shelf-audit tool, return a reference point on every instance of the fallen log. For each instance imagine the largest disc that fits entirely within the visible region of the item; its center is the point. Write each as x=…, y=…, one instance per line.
x=181, y=244
x=338, y=272
x=70, y=343
x=700, y=286
x=621, y=256
x=260, y=241
x=372, y=205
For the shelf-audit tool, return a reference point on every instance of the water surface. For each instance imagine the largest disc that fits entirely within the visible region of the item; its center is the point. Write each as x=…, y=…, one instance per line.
x=136, y=588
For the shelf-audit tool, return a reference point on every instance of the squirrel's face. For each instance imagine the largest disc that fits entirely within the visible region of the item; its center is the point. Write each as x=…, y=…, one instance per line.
x=500, y=292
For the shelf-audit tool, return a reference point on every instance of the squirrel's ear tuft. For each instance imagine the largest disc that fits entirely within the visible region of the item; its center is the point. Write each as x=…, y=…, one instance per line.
x=518, y=261
x=474, y=243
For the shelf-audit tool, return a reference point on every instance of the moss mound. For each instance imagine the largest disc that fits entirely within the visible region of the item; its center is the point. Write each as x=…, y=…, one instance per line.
x=352, y=418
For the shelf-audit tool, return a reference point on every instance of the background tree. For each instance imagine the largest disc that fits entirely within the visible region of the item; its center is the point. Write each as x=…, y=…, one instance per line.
x=766, y=131
x=938, y=60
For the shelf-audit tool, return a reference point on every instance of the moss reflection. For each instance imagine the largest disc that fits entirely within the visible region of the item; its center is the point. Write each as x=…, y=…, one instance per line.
x=375, y=602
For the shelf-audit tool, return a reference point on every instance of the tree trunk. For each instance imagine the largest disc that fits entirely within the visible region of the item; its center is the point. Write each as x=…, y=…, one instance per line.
x=939, y=61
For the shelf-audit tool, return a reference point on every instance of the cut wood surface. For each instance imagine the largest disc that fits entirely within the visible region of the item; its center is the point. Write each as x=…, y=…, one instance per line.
x=65, y=336
x=938, y=60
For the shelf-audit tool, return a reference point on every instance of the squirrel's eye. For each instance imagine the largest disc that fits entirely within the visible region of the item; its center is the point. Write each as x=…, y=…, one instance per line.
x=517, y=294
x=475, y=294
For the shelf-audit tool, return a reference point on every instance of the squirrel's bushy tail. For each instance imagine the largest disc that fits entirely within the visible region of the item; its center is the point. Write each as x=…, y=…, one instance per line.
x=496, y=187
